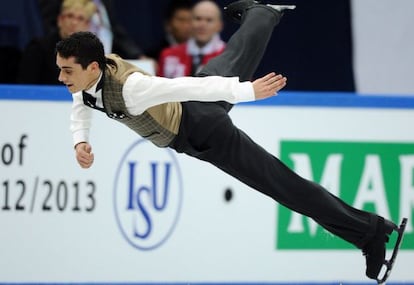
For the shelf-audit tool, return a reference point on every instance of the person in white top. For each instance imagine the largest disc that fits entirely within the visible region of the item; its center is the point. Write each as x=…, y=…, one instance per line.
x=190, y=116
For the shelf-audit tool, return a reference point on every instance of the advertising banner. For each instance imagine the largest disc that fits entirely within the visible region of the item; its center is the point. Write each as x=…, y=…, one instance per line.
x=143, y=214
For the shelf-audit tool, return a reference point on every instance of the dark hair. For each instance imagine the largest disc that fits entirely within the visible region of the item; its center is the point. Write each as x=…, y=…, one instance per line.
x=85, y=47
x=176, y=5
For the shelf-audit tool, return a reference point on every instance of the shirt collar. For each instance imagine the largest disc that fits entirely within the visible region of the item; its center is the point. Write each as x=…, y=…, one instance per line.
x=214, y=45
x=97, y=86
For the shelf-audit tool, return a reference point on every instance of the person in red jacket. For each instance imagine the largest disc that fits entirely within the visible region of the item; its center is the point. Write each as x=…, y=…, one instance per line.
x=188, y=58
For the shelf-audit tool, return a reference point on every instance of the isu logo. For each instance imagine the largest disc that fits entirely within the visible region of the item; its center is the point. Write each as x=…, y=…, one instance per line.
x=147, y=195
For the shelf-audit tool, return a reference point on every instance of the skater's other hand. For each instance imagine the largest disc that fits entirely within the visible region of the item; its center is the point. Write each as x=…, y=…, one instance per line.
x=84, y=154
x=268, y=85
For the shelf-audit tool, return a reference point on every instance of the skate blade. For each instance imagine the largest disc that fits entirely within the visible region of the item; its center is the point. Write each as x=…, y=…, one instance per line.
x=390, y=263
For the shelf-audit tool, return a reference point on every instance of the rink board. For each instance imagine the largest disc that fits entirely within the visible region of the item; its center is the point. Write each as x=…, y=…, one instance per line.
x=144, y=215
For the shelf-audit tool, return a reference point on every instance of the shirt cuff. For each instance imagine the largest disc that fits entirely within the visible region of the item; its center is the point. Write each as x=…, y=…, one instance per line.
x=80, y=136
x=244, y=92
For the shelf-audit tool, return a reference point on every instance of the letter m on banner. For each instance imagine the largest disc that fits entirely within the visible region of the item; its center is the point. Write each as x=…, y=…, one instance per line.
x=377, y=177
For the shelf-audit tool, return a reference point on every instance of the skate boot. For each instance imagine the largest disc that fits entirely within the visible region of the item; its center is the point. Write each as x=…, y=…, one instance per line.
x=374, y=250
x=236, y=9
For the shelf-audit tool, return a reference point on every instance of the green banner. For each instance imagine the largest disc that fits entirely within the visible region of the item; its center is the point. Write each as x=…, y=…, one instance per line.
x=377, y=177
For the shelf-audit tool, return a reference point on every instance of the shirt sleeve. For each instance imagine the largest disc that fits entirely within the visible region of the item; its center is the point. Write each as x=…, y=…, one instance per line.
x=141, y=91
x=80, y=118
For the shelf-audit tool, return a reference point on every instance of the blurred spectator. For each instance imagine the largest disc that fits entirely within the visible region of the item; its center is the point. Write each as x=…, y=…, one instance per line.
x=188, y=58
x=177, y=26
x=38, y=62
x=103, y=24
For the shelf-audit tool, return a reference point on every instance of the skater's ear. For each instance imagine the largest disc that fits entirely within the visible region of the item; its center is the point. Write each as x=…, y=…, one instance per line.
x=94, y=66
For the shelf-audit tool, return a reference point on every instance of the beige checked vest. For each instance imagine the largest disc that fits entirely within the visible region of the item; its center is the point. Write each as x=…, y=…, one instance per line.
x=159, y=124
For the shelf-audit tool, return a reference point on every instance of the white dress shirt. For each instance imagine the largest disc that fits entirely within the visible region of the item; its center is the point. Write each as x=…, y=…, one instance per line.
x=141, y=92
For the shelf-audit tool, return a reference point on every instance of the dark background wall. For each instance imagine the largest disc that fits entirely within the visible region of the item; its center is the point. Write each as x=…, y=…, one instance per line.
x=312, y=46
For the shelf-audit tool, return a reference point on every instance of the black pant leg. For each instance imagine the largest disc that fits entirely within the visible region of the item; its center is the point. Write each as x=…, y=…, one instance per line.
x=246, y=47
x=231, y=150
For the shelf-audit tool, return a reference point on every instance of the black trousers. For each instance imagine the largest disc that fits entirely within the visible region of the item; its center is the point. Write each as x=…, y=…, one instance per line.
x=207, y=133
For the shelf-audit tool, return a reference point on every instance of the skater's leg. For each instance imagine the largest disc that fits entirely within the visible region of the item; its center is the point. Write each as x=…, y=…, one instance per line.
x=233, y=151
x=246, y=47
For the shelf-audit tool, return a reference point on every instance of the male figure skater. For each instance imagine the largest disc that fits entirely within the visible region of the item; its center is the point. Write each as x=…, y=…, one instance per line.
x=190, y=115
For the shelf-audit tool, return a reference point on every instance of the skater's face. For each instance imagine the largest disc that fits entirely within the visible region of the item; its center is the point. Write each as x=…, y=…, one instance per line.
x=206, y=22
x=74, y=76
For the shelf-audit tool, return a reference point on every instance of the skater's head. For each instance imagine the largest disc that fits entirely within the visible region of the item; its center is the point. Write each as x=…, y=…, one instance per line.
x=81, y=59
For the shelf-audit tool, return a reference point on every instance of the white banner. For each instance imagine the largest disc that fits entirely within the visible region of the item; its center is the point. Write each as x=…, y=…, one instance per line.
x=144, y=214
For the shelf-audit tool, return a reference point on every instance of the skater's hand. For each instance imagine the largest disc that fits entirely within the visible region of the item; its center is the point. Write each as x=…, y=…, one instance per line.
x=84, y=154
x=268, y=85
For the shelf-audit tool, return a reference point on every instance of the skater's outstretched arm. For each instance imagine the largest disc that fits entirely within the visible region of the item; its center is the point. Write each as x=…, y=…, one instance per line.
x=268, y=85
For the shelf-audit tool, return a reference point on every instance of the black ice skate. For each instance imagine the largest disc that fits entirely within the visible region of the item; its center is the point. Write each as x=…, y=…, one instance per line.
x=236, y=9
x=374, y=251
